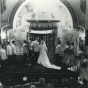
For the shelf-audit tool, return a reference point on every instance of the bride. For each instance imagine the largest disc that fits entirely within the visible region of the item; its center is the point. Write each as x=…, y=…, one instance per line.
x=43, y=58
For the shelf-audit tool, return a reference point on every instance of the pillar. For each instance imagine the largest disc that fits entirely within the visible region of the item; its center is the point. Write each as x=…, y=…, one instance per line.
x=0, y=21
x=86, y=23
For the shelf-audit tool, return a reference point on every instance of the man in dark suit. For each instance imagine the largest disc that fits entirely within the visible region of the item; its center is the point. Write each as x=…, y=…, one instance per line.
x=41, y=83
x=35, y=45
x=58, y=60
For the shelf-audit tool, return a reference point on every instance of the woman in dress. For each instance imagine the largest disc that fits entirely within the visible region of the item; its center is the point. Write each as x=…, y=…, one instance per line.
x=72, y=55
x=66, y=53
x=43, y=58
x=84, y=69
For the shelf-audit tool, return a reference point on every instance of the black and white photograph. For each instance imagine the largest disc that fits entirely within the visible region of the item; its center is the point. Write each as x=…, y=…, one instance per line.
x=43, y=43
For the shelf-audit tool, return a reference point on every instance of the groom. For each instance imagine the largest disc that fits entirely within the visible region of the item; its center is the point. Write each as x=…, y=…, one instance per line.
x=35, y=45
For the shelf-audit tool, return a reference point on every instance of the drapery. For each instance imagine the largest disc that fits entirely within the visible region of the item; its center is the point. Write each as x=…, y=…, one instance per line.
x=3, y=5
x=83, y=5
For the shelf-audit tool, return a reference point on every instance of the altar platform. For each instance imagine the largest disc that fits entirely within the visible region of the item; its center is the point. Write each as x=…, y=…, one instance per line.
x=27, y=74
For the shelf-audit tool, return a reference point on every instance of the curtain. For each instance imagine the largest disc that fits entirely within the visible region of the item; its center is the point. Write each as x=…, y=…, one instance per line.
x=3, y=5
x=83, y=5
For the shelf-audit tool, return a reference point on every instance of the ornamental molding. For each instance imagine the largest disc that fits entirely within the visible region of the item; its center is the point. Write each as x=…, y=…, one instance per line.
x=65, y=2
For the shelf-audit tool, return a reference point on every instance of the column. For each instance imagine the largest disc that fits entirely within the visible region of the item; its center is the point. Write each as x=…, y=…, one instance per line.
x=86, y=23
x=0, y=21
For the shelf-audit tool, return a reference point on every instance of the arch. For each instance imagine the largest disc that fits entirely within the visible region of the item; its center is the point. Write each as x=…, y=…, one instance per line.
x=72, y=12
x=65, y=2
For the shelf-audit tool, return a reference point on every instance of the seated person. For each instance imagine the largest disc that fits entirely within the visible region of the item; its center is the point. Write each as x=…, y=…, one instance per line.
x=33, y=86
x=49, y=85
x=55, y=83
x=85, y=84
x=41, y=83
x=84, y=69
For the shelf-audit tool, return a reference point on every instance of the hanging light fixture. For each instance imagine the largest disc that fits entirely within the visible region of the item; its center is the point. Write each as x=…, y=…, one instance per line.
x=65, y=80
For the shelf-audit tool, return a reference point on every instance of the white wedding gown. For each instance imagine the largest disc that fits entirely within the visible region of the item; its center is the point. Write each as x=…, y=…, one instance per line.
x=43, y=58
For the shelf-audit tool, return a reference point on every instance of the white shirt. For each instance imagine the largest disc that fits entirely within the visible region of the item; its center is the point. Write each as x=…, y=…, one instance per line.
x=29, y=45
x=3, y=54
x=9, y=50
x=35, y=45
x=13, y=49
x=67, y=46
x=24, y=48
x=57, y=49
x=0, y=84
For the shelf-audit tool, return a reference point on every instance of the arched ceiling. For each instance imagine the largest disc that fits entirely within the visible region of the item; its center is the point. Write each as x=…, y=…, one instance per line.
x=65, y=2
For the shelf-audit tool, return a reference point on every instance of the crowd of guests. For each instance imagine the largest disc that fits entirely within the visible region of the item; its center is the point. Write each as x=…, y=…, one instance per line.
x=29, y=48
x=31, y=53
x=69, y=53
x=74, y=62
x=53, y=84
x=7, y=53
x=41, y=83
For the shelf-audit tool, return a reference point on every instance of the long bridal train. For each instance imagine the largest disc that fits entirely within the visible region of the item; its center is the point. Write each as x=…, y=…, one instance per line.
x=43, y=58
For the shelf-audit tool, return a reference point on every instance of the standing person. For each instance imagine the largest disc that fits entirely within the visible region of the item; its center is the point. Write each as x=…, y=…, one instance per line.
x=3, y=55
x=41, y=83
x=0, y=55
x=58, y=41
x=57, y=54
x=30, y=49
x=35, y=45
x=84, y=69
x=86, y=52
x=72, y=55
x=66, y=53
x=55, y=83
x=43, y=57
x=49, y=85
x=13, y=48
x=24, y=51
x=9, y=51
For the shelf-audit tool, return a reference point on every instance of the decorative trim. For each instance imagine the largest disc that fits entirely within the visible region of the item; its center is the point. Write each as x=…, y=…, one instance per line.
x=43, y=20
x=13, y=12
x=41, y=32
x=65, y=2
x=72, y=12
